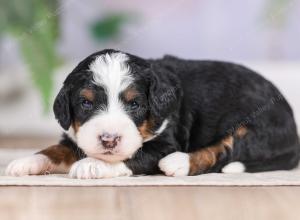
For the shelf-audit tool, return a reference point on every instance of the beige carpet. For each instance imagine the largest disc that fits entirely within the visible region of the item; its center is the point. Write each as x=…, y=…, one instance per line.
x=277, y=178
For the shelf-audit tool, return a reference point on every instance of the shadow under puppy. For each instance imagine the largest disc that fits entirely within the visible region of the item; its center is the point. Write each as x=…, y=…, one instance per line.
x=125, y=115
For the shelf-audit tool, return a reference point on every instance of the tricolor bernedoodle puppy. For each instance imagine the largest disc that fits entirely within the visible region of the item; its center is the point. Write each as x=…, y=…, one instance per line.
x=125, y=115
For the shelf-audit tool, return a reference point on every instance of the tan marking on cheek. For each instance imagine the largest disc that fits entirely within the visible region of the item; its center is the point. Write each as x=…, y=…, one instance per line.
x=88, y=94
x=130, y=94
x=241, y=132
x=59, y=154
x=146, y=129
x=205, y=158
x=76, y=125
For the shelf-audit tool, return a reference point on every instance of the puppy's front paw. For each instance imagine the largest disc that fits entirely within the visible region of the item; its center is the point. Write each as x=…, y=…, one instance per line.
x=32, y=165
x=90, y=168
x=175, y=164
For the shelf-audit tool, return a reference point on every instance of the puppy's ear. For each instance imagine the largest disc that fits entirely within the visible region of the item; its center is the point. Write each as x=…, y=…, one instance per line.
x=62, y=109
x=164, y=93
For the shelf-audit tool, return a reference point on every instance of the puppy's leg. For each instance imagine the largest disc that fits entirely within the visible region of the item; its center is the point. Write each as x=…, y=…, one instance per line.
x=54, y=159
x=198, y=162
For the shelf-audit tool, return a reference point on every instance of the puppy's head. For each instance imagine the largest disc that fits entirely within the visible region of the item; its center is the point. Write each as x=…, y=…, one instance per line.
x=113, y=102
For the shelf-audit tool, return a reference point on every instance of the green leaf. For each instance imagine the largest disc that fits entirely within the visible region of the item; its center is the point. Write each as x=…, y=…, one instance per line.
x=39, y=54
x=108, y=27
x=35, y=26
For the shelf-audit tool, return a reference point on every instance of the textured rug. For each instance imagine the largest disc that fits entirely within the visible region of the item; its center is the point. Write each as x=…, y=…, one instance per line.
x=275, y=178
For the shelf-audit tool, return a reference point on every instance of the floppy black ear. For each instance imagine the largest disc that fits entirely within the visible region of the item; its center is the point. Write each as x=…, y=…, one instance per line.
x=61, y=108
x=164, y=93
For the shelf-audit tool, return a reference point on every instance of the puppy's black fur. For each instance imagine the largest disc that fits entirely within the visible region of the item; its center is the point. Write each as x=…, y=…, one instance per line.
x=204, y=102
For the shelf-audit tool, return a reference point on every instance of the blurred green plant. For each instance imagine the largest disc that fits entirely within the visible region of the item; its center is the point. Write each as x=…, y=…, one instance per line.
x=34, y=24
x=109, y=26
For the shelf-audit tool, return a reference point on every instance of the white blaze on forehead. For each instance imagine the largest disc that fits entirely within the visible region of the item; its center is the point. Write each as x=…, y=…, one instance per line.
x=112, y=72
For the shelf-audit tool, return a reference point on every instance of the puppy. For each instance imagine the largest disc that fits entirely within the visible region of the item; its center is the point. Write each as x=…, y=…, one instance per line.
x=125, y=115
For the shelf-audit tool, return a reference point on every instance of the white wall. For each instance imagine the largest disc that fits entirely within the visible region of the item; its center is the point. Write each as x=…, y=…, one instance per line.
x=217, y=29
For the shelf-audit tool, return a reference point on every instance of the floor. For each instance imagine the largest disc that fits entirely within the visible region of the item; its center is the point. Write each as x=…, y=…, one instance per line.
x=135, y=203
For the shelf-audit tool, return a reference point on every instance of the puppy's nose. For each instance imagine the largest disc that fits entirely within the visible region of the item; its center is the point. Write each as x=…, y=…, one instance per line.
x=109, y=141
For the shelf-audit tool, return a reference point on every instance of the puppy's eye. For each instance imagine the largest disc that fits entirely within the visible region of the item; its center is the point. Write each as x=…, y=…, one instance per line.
x=134, y=105
x=86, y=104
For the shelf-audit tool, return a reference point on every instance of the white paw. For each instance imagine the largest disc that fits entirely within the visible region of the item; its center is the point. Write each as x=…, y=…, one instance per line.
x=175, y=164
x=234, y=167
x=32, y=165
x=90, y=168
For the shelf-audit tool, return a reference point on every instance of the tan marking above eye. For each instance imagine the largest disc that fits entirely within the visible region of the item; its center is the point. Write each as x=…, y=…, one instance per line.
x=88, y=94
x=130, y=94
